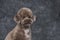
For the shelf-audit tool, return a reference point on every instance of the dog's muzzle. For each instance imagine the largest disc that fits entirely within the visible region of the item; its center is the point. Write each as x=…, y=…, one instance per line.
x=27, y=21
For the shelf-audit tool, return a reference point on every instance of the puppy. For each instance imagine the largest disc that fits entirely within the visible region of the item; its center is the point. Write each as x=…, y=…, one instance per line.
x=24, y=18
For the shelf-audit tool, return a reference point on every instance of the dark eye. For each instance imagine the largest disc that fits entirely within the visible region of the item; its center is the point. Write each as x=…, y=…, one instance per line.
x=29, y=16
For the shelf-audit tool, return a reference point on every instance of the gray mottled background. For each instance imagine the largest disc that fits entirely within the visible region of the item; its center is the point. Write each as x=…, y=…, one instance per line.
x=47, y=25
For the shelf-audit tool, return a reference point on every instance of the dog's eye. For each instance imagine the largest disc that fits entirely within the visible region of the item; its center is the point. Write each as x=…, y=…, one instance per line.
x=29, y=16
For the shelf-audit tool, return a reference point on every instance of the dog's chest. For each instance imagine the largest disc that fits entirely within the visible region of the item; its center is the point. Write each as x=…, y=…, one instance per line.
x=27, y=33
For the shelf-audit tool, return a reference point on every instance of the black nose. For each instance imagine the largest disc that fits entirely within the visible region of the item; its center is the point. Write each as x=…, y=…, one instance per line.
x=27, y=21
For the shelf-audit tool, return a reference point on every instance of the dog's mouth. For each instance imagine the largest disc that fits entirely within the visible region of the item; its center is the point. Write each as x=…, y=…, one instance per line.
x=27, y=22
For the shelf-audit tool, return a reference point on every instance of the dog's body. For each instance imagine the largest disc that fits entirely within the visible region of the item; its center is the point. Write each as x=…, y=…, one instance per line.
x=22, y=31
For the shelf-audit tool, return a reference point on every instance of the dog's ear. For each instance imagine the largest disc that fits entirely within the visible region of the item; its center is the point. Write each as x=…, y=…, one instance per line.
x=34, y=18
x=17, y=18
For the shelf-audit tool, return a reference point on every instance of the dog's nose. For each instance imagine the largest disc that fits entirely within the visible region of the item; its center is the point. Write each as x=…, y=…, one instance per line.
x=28, y=21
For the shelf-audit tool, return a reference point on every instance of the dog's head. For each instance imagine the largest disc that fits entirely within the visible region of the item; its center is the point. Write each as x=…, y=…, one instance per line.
x=24, y=16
